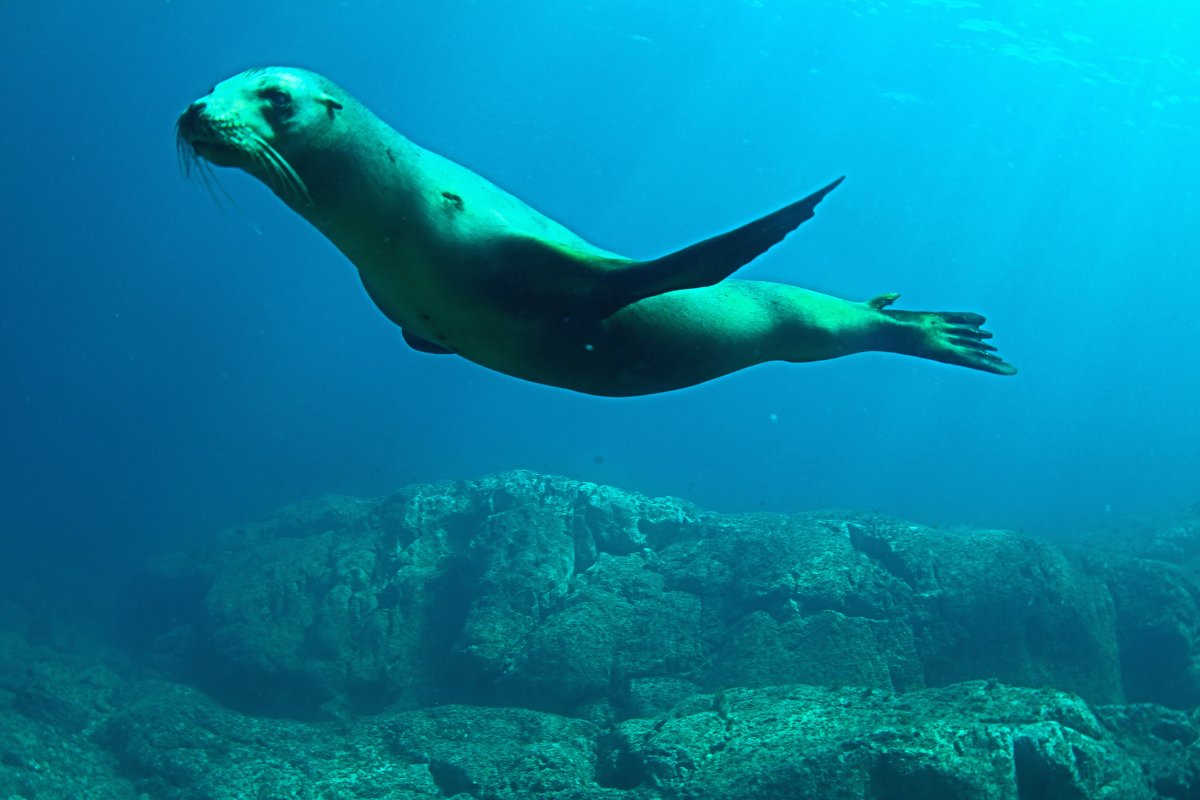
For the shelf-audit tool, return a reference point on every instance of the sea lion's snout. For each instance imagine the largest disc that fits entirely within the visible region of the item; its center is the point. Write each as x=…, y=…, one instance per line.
x=195, y=133
x=189, y=120
x=198, y=125
x=214, y=129
x=193, y=112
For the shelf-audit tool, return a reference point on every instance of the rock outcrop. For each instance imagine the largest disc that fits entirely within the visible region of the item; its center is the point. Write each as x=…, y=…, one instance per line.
x=523, y=636
x=522, y=590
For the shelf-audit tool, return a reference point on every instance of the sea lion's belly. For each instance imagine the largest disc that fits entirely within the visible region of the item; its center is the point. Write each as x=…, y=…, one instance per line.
x=448, y=293
x=446, y=270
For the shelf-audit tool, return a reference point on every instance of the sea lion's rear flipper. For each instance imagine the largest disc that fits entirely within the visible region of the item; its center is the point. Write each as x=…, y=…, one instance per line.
x=712, y=260
x=952, y=337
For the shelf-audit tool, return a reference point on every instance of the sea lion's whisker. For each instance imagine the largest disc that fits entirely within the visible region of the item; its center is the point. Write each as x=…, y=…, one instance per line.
x=282, y=164
x=269, y=168
x=190, y=161
x=185, y=151
x=279, y=179
x=283, y=176
x=252, y=146
x=209, y=178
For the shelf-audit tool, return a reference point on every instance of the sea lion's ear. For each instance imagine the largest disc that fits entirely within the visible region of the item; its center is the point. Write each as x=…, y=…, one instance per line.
x=329, y=103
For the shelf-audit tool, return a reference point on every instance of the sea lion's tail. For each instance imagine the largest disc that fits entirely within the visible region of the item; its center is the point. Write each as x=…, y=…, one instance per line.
x=952, y=337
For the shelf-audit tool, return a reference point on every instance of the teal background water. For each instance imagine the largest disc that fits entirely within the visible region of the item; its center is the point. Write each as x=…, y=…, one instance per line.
x=169, y=367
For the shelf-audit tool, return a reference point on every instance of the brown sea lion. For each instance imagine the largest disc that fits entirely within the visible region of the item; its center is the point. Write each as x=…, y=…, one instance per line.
x=464, y=267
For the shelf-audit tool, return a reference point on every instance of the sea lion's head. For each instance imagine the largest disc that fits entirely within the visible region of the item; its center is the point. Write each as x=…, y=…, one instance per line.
x=261, y=121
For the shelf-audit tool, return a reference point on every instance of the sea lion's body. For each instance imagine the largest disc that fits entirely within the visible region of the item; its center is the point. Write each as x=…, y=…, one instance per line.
x=464, y=267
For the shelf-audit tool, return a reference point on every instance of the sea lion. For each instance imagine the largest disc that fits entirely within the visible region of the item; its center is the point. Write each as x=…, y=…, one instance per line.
x=464, y=267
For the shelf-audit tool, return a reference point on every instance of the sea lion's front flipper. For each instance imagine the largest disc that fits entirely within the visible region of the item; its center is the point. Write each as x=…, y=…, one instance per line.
x=424, y=345
x=411, y=339
x=713, y=260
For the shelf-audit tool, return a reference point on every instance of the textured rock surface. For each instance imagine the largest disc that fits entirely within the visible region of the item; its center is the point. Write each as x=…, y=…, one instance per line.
x=51, y=705
x=574, y=598
x=532, y=637
x=972, y=741
x=174, y=743
x=130, y=737
x=1153, y=574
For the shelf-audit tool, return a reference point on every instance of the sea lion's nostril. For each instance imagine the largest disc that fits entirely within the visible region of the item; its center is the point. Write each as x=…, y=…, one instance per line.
x=191, y=117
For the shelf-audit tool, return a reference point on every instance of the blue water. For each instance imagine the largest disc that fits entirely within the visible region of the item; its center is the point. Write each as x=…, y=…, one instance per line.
x=169, y=366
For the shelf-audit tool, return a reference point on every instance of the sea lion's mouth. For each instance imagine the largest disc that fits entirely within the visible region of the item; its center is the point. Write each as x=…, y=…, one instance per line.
x=200, y=135
x=202, y=141
x=208, y=148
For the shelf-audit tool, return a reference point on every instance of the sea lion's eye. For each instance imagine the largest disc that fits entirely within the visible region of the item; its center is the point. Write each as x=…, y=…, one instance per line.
x=277, y=97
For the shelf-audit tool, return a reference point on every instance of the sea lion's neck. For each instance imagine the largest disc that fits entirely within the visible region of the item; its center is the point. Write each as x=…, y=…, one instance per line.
x=350, y=177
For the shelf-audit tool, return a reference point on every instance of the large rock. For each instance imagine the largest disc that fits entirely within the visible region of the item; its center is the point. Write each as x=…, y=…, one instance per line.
x=77, y=727
x=976, y=741
x=1153, y=575
x=175, y=744
x=536, y=638
x=547, y=593
x=51, y=705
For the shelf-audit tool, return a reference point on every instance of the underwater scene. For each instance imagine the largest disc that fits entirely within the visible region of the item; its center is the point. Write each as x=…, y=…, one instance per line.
x=628, y=400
